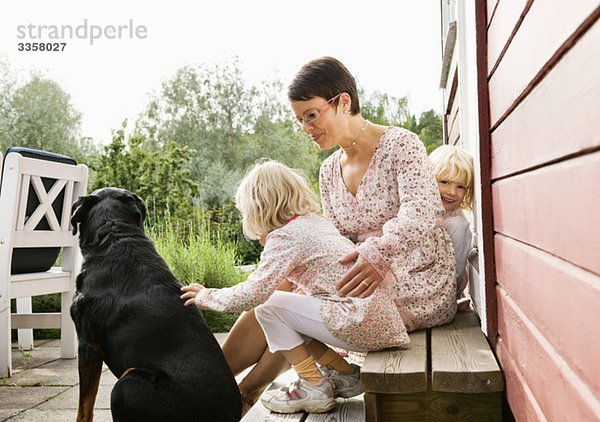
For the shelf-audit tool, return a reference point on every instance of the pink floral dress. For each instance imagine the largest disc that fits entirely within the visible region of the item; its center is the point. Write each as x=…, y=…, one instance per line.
x=306, y=252
x=395, y=217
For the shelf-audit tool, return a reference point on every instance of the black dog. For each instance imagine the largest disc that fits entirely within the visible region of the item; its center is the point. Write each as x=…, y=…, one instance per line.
x=128, y=313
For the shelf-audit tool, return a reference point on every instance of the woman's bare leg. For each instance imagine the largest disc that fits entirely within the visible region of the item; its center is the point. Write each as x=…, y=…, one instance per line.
x=245, y=344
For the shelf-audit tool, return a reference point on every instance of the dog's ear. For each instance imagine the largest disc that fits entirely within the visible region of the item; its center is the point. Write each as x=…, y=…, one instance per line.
x=81, y=208
x=137, y=205
x=141, y=207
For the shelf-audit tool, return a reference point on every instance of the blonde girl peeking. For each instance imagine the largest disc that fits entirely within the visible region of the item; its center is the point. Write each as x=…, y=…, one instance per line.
x=300, y=246
x=453, y=169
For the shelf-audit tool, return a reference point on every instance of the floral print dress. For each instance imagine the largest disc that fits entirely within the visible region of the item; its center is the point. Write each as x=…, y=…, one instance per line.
x=396, y=218
x=306, y=252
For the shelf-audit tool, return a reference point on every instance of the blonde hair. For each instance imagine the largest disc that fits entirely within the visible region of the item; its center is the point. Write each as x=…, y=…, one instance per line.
x=454, y=164
x=270, y=195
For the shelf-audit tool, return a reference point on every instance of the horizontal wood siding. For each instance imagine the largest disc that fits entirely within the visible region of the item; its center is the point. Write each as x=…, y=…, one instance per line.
x=559, y=117
x=555, y=209
x=544, y=98
x=556, y=295
x=491, y=7
x=523, y=404
x=545, y=28
x=559, y=393
x=506, y=21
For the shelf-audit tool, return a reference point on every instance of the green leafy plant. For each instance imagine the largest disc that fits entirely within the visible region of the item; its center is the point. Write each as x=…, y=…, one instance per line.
x=196, y=254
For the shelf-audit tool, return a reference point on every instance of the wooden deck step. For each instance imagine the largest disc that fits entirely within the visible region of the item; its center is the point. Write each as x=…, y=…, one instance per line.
x=347, y=410
x=398, y=370
x=447, y=373
x=461, y=358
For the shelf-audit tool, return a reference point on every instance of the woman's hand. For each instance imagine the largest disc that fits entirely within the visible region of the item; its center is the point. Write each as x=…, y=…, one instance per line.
x=360, y=280
x=191, y=291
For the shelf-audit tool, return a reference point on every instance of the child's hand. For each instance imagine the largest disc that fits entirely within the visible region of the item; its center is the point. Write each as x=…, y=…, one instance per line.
x=191, y=291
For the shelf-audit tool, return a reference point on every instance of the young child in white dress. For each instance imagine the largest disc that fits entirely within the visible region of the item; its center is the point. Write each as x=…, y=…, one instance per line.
x=303, y=248
x=453, y=169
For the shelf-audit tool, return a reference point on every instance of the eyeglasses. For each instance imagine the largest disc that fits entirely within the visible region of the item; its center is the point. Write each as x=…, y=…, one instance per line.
x=312, y=115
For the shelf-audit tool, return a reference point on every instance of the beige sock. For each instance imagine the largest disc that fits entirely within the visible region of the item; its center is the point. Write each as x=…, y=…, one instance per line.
x=332, y=360
x=308, y=370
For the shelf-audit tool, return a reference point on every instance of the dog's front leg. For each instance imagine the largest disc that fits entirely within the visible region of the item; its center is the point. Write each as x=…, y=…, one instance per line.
x=90, y=367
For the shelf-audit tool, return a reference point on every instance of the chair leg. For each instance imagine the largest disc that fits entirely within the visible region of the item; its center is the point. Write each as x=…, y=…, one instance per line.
x=25, y=335
x=5, y=344
x=68, y=336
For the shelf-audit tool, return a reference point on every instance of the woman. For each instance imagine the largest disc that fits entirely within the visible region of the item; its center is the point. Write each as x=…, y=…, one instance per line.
x=379, y=191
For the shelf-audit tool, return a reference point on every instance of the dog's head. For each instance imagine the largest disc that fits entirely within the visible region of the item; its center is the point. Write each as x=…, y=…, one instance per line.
x=105, y=213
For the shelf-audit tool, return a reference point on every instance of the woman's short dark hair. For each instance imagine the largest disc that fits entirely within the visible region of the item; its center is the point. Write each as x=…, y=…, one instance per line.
x=324, y=77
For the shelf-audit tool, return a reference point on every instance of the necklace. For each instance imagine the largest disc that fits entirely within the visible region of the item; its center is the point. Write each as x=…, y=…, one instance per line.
x=360, y=134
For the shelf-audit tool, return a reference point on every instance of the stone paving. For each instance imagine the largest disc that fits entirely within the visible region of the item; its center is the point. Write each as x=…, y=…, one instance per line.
x=46, y=388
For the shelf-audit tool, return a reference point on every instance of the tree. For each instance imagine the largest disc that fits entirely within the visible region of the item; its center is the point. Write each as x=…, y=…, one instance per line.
x=40, y=115
x=159, y=176
x=229, y=123
x=430, y=130
x=391, y=111
x=384, y=109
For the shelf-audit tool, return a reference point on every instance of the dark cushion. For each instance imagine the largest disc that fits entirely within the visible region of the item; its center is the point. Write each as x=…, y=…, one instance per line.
x=29, y=260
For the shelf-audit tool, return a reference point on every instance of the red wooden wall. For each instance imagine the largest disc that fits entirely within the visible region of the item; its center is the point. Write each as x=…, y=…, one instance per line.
x=544, y=109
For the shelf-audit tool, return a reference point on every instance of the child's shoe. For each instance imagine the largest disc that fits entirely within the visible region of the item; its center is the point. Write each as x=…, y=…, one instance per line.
x=344, y=385
x=300, y=396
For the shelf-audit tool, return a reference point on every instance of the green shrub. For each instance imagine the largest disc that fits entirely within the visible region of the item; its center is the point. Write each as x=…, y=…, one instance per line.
x=196, y=254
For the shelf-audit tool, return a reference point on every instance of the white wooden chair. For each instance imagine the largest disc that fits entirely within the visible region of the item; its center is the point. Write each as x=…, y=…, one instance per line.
x=19, y=228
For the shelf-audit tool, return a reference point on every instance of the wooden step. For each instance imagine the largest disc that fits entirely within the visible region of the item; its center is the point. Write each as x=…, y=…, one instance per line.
x=447, y=373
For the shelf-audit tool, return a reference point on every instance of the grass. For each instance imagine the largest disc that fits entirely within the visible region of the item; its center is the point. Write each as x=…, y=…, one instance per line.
x=196, y=254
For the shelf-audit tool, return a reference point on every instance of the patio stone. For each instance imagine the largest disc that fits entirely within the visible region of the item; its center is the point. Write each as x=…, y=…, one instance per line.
x=45, y=388
x=16, y=398
x=100, y=415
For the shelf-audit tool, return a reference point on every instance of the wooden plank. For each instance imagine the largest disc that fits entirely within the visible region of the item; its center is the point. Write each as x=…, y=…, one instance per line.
x=347, y=410
x=560, y=393
x=546, y=27
x=36, y=320
x=23, y=194
x=461, y=358
x=454, y=134
x=434, y=407
x=43, y=238
x=490, y=8
x=260, y=413
x=454, y=117
x=540, y=284
x=402, y=370
x=555, y=209
x=51, y=169
x=523, y=404
x=507, y=18
x=372, y=408
x=535, y=132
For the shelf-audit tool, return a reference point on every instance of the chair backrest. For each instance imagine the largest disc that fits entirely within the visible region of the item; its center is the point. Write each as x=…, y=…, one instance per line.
x=36, y=196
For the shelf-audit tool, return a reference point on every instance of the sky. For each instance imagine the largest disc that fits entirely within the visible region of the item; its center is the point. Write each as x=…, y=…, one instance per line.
x=119, y=52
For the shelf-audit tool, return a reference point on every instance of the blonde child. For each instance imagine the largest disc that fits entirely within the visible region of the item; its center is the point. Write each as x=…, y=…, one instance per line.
x=302, y=247
x=453, y=169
